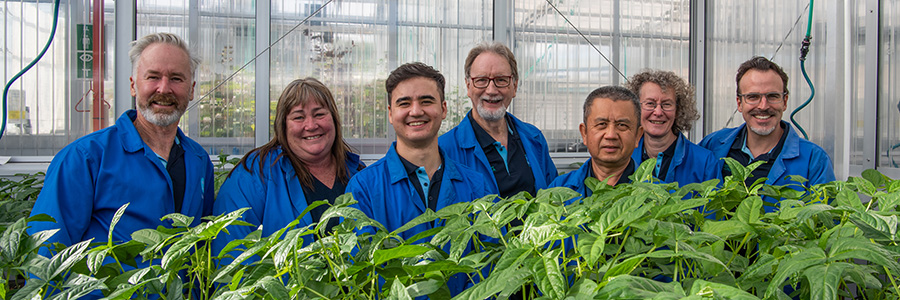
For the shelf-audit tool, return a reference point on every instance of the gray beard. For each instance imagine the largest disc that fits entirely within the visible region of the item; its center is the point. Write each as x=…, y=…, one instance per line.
x=158, y=119
x=490, y=116
x=763, y=131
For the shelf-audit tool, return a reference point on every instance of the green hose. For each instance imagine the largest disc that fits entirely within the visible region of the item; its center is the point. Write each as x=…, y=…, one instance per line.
x=804, y=49
x=28, y=67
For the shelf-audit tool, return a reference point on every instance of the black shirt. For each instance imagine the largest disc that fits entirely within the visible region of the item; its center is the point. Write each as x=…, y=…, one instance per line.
x=321, y=192
x=663, y=160
x=513, y=174
x=433, y=185
x=737, y=153
x=175, y=168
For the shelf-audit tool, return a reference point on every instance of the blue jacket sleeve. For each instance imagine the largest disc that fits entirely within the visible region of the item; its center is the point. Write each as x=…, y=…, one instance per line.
x=67, y=196
x=241, y=189
x=820, y=168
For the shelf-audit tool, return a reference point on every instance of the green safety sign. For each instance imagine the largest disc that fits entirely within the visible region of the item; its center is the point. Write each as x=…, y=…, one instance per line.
x=84, y=51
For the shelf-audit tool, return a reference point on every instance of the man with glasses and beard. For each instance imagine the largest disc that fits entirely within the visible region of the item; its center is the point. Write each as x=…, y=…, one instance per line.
x=762, y=99
x=512, y=154
x=144, y=159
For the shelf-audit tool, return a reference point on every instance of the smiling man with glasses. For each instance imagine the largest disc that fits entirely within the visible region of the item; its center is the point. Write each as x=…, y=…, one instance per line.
x=511, y=153
x=668, y=110
x=762, y=97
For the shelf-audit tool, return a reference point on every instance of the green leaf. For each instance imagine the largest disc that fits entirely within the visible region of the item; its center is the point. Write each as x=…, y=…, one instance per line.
x=644, y=172
x=669, y=209
x=795, y=264
x=848, y=198
x=398, y=291
x=222, y=272
x=714, y=290
x=78, y=286
x=112, y=224
x=31, y=290
x=11, y=238
x=95, y=258
x=65, y=259
x=383, y=255
x=875, y=177
x=633, y=287
x=582, y=289
x=178, y=252
x=824, y=280
x=548, y=276
x=748, y=210
x=861, y=248
x=875, y=226
x=726, y=229
x=423, y=288
x=763, y=267
x=178, y=220
x=591, y=246
x=623, y=268
x=275, y=288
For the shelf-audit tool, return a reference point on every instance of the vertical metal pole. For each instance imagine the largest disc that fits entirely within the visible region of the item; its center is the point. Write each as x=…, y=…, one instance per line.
x=697, y=75
x=99, y=113
x=873, y=52
x=125, y=33
x=193, y=38
x=836, y=135
x=393, y=52
x=616, y=48
x=502, y=27
x=263, y=39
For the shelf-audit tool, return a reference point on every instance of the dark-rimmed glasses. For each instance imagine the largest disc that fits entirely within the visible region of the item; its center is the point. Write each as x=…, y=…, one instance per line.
x=771, y=98
x=499, y=81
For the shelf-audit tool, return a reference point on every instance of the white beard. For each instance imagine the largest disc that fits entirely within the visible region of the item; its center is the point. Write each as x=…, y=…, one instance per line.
x=160, y=119
x=490, y=116
x=763, y=131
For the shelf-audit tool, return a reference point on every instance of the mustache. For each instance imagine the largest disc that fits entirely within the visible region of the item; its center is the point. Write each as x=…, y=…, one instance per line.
x=768, y=111
x=162, y=98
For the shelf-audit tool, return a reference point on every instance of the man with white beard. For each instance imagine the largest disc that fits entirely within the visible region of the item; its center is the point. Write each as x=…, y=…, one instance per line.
x=144, y=159
x=762, y=99
x=512, y=153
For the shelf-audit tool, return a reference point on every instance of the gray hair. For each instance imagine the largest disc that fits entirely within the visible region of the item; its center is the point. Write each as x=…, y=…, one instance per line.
x=497, y=48
x=138, y=47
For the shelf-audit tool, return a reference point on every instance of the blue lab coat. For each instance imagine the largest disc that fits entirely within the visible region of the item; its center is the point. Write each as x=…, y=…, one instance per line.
x=275, y=199
x=798, y=157
x=89, y=180
x=386, y=194
x=690, y=163
x=460, y=144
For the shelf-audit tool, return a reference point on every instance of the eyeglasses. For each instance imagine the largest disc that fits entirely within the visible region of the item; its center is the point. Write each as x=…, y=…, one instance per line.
x=771, y=98
x=651, y=105
x=499, y=81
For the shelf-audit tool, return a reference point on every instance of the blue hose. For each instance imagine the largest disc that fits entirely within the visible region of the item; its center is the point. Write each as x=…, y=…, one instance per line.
x=33, y=62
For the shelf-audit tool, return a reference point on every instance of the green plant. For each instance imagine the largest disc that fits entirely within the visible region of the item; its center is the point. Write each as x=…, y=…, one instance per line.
x=632, y=241
x=17, y=196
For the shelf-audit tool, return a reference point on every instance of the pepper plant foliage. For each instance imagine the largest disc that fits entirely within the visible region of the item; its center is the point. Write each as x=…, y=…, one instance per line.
x=632, y=241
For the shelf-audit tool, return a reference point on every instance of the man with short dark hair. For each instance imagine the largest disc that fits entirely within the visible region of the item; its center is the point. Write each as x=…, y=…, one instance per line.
x=611, y=129
x=415, y=174
x=512, y=154
x=762, y=96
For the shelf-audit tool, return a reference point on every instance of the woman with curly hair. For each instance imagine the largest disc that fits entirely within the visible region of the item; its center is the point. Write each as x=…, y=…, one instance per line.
x=667, y=110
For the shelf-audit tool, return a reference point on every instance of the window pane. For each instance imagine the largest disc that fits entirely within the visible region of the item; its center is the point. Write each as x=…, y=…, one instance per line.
x=559, y=68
